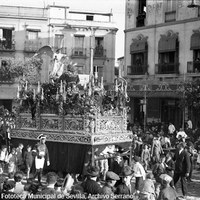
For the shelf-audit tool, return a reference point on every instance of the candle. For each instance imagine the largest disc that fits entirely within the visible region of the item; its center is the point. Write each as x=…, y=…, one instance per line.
x=96, y=73
x=85, y=86
x=38, y=89
x=57, y=95
x=61, y=87
x=102, y=82
x=18, y=95
x=122, y=86
x=26, y=86
x=42, y=95
x=34, y=96
x=116, y=86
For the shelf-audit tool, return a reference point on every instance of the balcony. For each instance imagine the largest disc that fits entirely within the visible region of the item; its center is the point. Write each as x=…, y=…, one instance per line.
x=137, y=69
x=193, y=67
x=6, y=76
x=141, y=20
x=99, y=53
x=170, y=16
x=79, y=52
x=32, y=46
x=7, y=45
x=167, y=68
x=63, y=50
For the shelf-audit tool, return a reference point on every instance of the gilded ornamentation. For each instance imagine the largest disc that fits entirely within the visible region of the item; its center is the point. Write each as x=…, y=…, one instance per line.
x=73, y=124
x=27, y=122
x=50, y=124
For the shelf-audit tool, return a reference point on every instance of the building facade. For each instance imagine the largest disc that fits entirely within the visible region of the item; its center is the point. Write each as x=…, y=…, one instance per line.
x=88, y=39
x=162, y=46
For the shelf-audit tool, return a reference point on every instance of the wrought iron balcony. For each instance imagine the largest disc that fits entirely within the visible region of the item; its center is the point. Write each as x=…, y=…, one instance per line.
x=170, y=16
x=193, y=67
x=99, y=52
x=78, y=52
x=6, y=76
x=32, y=46
x=7, y=45
x=137, y=69
x=141, y=20
x=167, y=68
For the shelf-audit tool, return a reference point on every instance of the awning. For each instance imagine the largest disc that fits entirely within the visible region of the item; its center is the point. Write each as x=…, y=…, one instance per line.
x=33, y=28
x=195, y=41
x=7, y=26
x=167, y=43
x=138, y=46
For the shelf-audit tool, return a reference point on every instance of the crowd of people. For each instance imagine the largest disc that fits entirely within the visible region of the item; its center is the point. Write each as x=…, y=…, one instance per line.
x=161, y=156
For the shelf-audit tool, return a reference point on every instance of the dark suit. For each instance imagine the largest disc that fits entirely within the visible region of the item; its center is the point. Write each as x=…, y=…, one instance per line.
x=91, y=187
x=182, y=166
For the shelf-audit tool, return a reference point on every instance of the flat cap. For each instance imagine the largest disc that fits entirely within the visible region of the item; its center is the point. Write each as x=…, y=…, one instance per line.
x=111, y=176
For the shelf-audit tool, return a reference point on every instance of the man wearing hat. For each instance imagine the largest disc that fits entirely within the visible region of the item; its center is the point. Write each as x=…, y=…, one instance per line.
x=90, y=185
x=108, y=188
x=42, y=154
x=125, y=187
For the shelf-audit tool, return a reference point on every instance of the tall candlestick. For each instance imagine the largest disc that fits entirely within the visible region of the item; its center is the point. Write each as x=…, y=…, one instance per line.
x=85, y=86
x=18, y=90
x=116, y=86
x=122, y=86
x=57, y=95
x=34, y=95
x=42, y=95
x=102, y=82
x=61, y=87
x=26, y=86
x=38, y=89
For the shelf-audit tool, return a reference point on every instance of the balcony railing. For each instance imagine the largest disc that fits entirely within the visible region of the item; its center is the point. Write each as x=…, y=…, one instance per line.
x=6, y=45
x=167, y=68
x=137, y=69
x=5, y=76
x=99, y=52
x=32, y=46
x=78, y=52
x=63, y=50
x=193, y=67
x=170, y=16
x=141, y=20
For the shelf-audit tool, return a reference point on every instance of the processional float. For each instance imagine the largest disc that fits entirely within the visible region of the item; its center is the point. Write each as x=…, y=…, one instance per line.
x=79, y=121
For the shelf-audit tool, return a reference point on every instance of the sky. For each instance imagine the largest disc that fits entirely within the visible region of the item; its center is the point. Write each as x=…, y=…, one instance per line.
x=117, y=6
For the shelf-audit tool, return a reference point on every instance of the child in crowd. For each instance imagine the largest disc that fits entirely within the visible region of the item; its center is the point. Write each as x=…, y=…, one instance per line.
x=3, y=157
x=20, y=161
x=145, y=157
x=139, y=174
x=12, y=159
x=28, y=159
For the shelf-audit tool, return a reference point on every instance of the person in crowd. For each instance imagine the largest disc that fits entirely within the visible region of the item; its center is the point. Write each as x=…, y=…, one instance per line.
x=189, y=149
x=138, y=148
x=169, y=164
x=12, y=161
x=182, y=167
x=3, y=157
x=11, y=176
x=42, y=154
x=58, y=186
x=117, y=164
x=108, y=188
x=165, y=142
x=139, y=174
x=197, y=147
x=20, y=161
x=19, y=187
x=189, y=123
x=145, y=157
x=171, y=129
x=125, y=187
x=159, y=168
x=148, y=188
x=28, y=159
x=156, y=149
x=181, y=135
x=167, y=192
x=50, y=187
x=90, y=185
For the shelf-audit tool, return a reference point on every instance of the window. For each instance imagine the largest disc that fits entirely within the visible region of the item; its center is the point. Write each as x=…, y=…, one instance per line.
x=32, y=35
x=89, y=17
x=79, y=41
x=59, y=41
x=98, y=46
x=171, y=5
x=141, y=13
x=142, y=7
x=6, y=38
x=168, y=57
x=137, y=59
x=99, y=70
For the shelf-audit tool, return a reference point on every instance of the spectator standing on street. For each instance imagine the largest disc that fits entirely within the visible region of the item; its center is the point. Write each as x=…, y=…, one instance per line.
x=145, y=157
x=182, y=167
x=171, y=128
x=12, y=160
x=20, y=161
x=28, y=159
